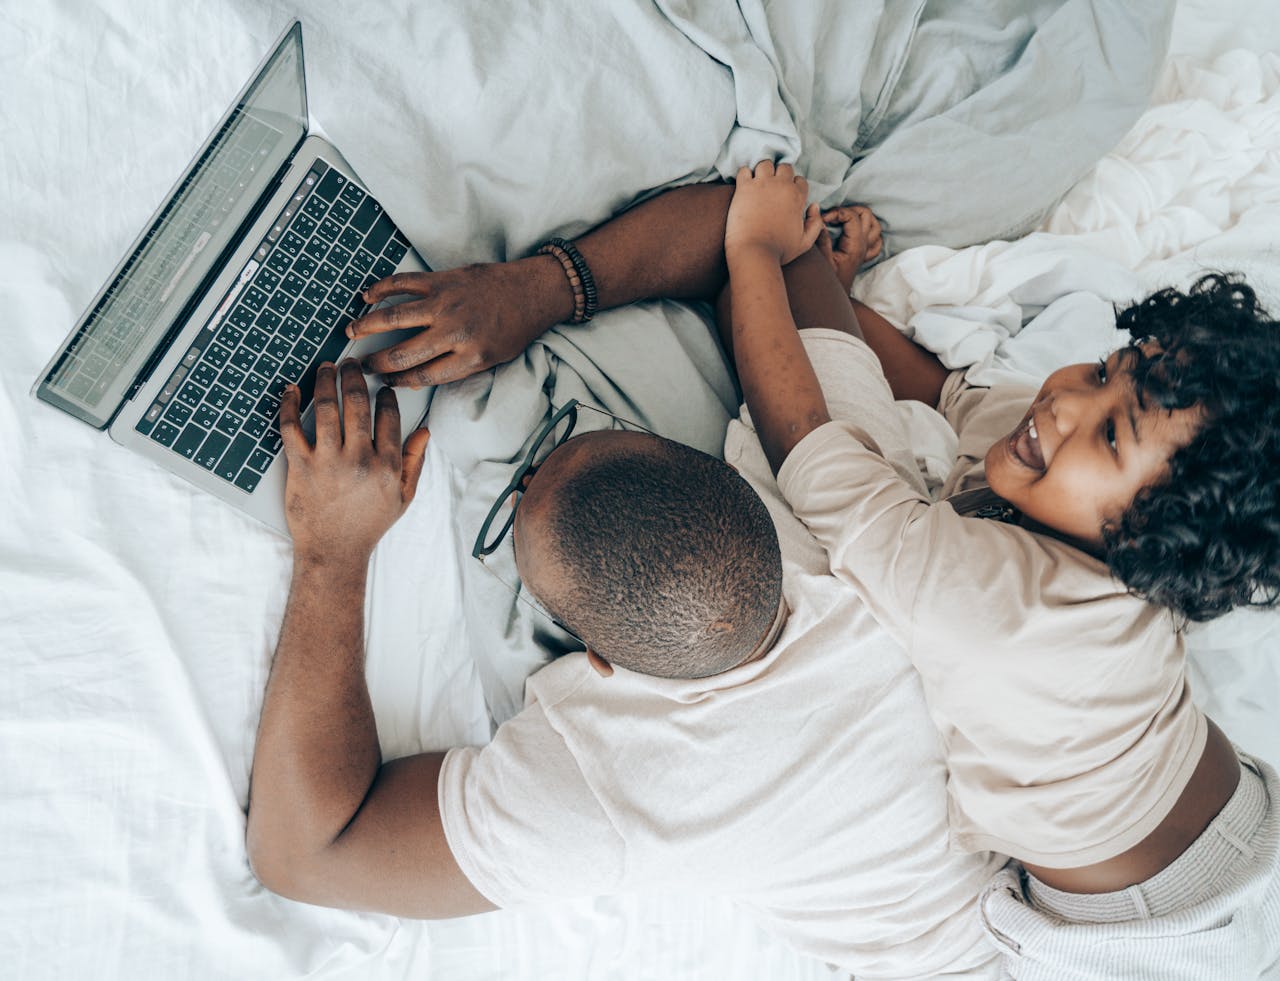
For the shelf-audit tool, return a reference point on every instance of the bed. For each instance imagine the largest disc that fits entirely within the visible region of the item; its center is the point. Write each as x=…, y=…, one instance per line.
x=139, y=615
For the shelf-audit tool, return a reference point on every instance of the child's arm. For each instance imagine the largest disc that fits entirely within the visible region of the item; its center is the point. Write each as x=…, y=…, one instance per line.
x=768, y=226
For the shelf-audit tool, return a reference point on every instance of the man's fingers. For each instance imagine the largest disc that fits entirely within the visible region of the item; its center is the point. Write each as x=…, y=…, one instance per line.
x=408, y=354
x=786, y=170
x=291, y=434
x=415, y=454
x=395, y=317
x=386, y=422
x=416, y=283
x=355, y=403
x=449, y=367
x=764, y=168
x=328, y=426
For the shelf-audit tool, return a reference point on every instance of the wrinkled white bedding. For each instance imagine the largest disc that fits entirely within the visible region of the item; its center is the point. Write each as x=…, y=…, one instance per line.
x=138, y=616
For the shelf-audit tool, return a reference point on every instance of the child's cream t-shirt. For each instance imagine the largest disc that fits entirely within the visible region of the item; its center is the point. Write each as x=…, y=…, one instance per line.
x=1062, y=700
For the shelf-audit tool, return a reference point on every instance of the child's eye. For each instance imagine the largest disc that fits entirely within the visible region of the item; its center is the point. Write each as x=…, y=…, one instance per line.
x=1102, y=372
x=1111, y=435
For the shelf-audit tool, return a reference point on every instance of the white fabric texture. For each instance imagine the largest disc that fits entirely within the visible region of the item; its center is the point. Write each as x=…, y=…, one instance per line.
x=825, y=817
x=138, y=615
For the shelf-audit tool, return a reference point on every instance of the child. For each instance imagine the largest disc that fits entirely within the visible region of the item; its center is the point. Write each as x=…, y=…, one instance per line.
x=1131, y=494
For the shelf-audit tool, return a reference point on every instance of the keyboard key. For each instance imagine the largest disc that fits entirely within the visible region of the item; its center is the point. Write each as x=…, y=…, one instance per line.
x=230, y=335
x=329, y=230
x=204, y=373
x=244, y=357
x=395, y=249
x=189, y=441
x=327, y=315
x=269, y=405
x=316, y=332
x=217, y=355
x=241, y=317
x=269, y=320
x=259, y=460
x=266, y=280
x=378, y=236
x=382, y=269
x=338, y=257
x=304, y=265
x=190, y=394
x=211, y=449
x=315, y=207
x=206, y=416
x=236, y=454
x=340, y=211
x=178, y=413
x=218, y=397
x=267, y=366
x=231, y=377
x=280, y=302
x=248, y=481
x=363, y=261
x=290, y=330
x=350, y=281
x=315, y=292
x=350, y=238
x=255, y=299
x=255, y=339
x=255, y=425
x=352, y=194
x=303, y=310
x=303, y=225
x=293, y=369
x=165, y=434
x=326, y=276
x=228, y=423
x=279, y=261
x=254, y=385
x=317, y=248
x=271, y=440
x=291, y=243
x=304, y=350
x=241, y=404
x=279, y=348
x=292, y=286
x=366, y=214
x=329, y=187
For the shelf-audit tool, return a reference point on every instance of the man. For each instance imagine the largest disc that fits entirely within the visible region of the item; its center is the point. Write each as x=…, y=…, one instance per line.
x=785, y=760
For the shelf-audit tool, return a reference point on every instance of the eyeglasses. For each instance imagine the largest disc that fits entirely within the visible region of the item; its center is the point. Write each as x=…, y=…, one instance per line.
x=494, y=546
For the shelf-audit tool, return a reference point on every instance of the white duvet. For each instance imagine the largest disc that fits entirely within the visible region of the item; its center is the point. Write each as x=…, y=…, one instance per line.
x=138, y=616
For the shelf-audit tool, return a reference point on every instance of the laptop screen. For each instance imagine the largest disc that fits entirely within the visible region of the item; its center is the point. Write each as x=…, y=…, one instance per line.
x=150, y=290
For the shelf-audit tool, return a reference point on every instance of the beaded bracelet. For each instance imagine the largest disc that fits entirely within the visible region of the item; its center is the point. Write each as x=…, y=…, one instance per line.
x=579, y=275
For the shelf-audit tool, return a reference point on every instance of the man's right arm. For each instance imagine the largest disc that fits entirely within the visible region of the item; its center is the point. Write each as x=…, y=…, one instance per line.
x=477, y=316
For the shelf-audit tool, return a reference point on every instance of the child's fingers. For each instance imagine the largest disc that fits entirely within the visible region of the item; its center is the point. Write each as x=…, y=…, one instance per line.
x=744, y=174
x=814, y=227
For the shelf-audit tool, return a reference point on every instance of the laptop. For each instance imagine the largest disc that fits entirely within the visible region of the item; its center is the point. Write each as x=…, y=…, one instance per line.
x=244, y=280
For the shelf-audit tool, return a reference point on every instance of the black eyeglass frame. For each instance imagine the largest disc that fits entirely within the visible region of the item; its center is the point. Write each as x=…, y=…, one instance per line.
x=479, y=550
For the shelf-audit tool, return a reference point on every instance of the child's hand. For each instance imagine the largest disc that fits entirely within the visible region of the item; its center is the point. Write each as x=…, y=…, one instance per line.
x=860, y=241
x=768, y=213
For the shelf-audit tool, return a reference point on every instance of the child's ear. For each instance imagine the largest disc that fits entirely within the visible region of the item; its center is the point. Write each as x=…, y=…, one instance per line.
x=602, y=667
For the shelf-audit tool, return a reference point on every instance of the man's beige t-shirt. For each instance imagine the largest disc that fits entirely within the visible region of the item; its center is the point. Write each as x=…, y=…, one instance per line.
x=1062, y=700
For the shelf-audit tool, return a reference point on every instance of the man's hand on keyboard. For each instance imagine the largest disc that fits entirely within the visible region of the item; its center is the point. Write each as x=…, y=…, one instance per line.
x=343, y=493
x=472, y=318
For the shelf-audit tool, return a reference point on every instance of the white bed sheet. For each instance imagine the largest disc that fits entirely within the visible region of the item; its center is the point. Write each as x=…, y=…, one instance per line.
x=138, y=616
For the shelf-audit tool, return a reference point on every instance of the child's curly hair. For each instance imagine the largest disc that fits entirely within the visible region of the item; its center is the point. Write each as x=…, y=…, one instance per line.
x=1206, y=539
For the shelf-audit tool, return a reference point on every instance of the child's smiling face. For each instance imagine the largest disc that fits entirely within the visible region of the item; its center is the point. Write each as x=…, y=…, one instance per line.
x=1085, y=449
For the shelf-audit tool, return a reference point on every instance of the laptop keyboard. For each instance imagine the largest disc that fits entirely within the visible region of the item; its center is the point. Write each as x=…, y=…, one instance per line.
x=286, y=314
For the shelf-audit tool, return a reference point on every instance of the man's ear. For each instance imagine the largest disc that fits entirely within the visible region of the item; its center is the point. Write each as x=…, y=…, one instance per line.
x=603, y=668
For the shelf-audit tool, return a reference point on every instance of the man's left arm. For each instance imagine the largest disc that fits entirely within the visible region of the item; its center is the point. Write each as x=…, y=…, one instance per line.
x=328, y=822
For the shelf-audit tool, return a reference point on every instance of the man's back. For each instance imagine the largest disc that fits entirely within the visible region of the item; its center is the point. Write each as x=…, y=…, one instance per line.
x=807, y=785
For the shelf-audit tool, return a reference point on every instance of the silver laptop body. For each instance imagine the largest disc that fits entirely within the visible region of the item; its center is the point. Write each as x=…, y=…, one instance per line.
x=243, y=280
